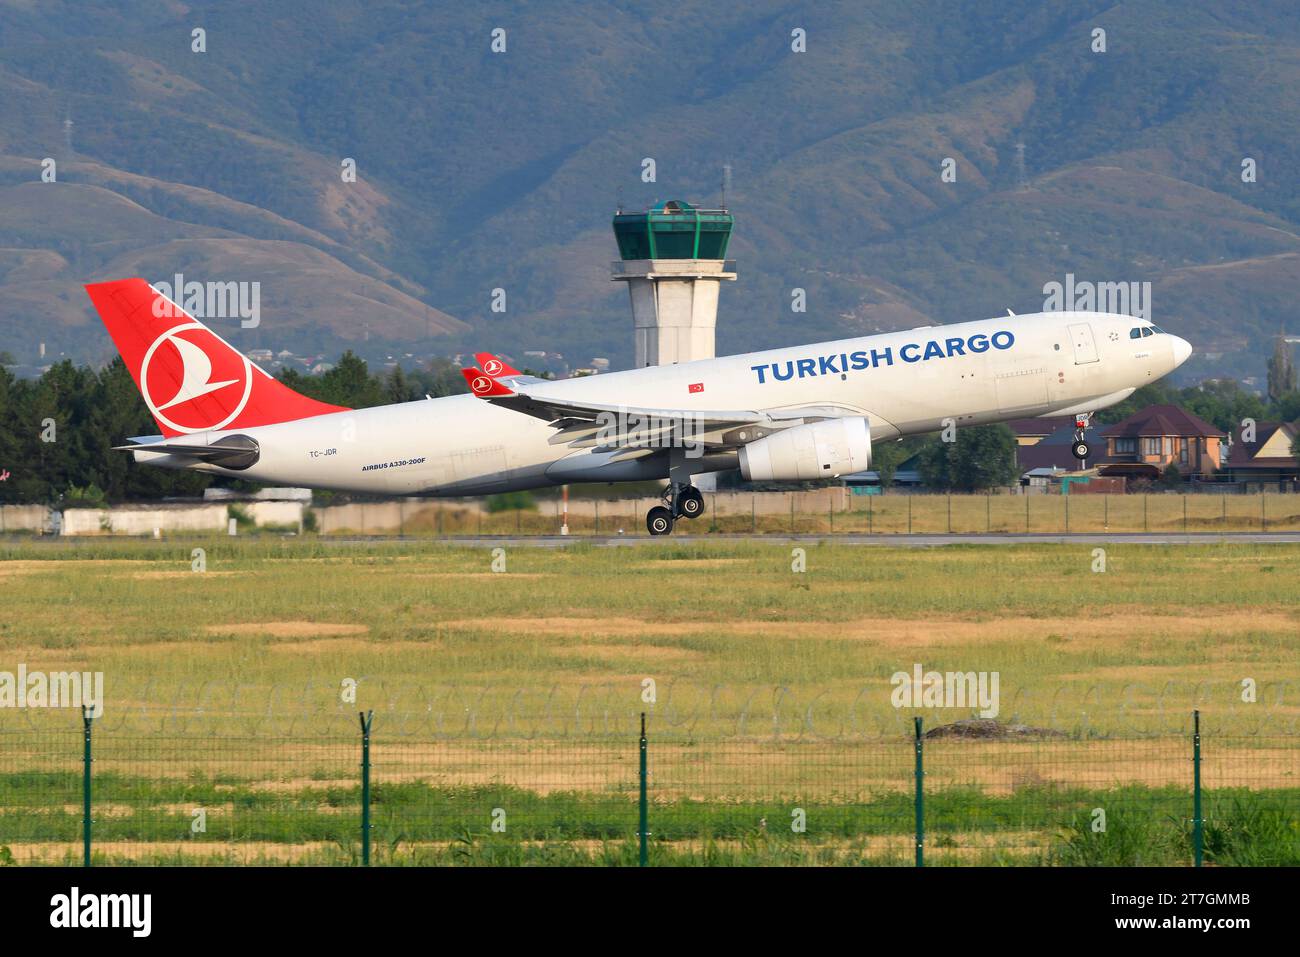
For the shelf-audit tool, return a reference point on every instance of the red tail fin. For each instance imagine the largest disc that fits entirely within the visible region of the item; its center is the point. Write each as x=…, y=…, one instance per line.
x=191, y=379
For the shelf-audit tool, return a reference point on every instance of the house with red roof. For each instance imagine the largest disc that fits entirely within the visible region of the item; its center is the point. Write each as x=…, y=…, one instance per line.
x=1151, y=439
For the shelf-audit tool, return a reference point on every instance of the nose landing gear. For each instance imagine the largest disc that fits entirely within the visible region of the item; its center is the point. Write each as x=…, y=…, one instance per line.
x=1081, y=448
x=680, y=501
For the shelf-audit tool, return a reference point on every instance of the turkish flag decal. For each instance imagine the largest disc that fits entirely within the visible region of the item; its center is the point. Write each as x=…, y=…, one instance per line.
x=695, y=387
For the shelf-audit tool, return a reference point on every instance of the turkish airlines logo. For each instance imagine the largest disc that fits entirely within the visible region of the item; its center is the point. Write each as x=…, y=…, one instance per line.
x=481, y=385
x=194, y=382
x=493, y=367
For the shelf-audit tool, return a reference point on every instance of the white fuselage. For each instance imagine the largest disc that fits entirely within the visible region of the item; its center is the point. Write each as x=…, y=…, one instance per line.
x=974, y=373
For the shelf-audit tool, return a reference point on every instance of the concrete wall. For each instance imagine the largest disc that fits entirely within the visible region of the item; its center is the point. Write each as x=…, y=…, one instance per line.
x=275, y=513
x=142, y=520
x=25, y=518
x=131, y=520
x=409, y=516
x=413, y=516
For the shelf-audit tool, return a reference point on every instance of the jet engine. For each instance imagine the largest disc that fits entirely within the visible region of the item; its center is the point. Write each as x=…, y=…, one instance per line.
x=816, y=450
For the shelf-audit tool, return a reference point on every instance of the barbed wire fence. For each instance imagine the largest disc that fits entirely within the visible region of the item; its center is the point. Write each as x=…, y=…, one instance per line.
x=241, y=774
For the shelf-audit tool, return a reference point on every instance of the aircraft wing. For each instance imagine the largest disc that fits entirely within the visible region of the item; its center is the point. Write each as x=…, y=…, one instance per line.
x=582, y=424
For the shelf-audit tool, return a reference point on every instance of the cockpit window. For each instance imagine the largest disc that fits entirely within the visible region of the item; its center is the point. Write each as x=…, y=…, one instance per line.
x=1147, y=331
x=1135, y=332
x=1158, y=329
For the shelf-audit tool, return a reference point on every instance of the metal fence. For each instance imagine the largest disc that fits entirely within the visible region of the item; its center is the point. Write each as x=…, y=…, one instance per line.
x=1203, y=509
x=377, y=787
x=897, y=513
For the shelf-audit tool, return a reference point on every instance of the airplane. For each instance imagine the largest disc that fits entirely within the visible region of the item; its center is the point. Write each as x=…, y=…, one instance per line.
x=794, y=414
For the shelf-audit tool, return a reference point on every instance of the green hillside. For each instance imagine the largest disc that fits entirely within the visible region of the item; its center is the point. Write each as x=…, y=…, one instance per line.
x=479, y=170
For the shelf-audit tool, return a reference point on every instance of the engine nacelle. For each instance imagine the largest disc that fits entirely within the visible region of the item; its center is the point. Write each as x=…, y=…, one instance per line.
x=814, y=451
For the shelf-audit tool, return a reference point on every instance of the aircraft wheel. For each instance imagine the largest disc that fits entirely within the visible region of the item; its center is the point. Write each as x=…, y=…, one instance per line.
x=690, y=503
x=659, y=521
x=1081, y=450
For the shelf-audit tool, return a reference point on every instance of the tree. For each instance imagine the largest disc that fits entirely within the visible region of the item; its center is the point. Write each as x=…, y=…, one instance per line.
x=1281, y=369
x=982, y=457
x=885, y=459
x=396, y=388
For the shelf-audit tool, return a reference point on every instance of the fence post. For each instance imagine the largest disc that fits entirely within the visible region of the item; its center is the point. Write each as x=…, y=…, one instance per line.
x=86, y=721
x=1066, y=495
x=367, y=717
x=950, y=513
x=753, y=513
x=988, y=511
x=870, y=513
x=1263, y=518
x=920, y=799
x=792, y=513
x=643, y=828
x=909, y=513
x=1146, y=527
x=1198, y=822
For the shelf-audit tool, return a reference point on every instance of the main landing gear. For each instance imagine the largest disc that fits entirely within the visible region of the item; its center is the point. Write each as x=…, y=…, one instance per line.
x=1080, y=448
x=680, y=501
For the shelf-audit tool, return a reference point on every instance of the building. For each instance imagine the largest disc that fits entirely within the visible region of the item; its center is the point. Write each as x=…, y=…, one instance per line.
x=907, y=475
x=1033, y=431
x=1055, y=451
x=673, y=258
x=1267, y=461
x=1149, y=441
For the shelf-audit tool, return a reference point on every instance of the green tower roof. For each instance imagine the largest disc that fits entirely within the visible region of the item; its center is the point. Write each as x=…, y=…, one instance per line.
x=673, y=230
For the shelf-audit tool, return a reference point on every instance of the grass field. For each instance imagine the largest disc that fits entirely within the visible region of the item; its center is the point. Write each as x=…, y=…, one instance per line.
x=519, y=690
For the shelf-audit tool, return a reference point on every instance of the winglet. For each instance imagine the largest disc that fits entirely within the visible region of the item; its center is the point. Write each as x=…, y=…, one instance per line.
x=493, y=366
x=483, y=385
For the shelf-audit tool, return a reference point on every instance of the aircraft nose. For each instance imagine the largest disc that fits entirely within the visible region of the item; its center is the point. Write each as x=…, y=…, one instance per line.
x=1182, y=350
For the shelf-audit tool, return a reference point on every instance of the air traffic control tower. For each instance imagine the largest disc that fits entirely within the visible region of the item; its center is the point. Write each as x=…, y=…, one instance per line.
x=673, y=258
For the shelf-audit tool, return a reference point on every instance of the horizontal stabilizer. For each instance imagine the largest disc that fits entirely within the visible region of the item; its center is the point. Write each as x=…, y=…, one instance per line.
x=231, y=452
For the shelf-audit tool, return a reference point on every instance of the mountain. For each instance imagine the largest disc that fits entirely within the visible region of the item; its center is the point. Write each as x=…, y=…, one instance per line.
x=479, y=171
